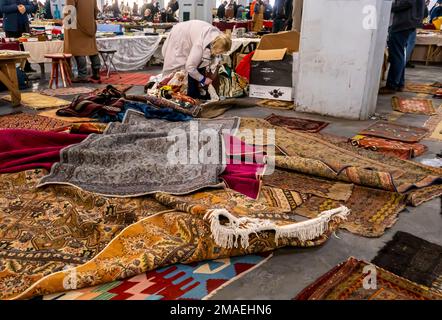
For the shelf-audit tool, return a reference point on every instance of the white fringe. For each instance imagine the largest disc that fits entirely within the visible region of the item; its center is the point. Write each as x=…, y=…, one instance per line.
x=236, y=231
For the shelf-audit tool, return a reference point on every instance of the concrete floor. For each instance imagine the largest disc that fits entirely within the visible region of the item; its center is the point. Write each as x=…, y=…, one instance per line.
x=292, y=269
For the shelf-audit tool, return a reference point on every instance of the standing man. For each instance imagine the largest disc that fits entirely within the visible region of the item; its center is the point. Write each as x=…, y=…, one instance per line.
x=15, y=16
x=279, y=16
x=15, y=20
x=407, y=15
x=81, y=42
x=221, y=10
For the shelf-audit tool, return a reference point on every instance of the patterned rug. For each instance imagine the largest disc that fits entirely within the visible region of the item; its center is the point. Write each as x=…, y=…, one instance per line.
x=346, y=282
x=412, y=258
x=69, y=91
x=372, y=210
x=276, y=104
x=196, y=281
x=294, y=123
x=32, y=121
x=135, y=79
x=399, y=149
x=38, y=101
x=313, y=155
x=427, y=88
x=289, y=180
x=59, y=238
x=434, y=126
x=419, y=106
x=395, y=131
x=52, y=113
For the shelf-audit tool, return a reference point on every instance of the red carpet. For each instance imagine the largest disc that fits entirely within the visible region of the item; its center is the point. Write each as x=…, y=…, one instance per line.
x=29, y=149
x=135, y=79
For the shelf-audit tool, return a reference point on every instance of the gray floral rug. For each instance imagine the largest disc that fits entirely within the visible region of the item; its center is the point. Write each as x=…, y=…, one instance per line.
x=143, y=156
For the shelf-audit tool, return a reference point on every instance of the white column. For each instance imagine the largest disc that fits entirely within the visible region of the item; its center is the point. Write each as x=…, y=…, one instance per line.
x=341, y=54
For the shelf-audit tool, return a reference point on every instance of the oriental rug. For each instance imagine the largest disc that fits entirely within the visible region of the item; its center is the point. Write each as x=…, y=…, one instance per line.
x=412, y=258
x=434, y=126
x=130, y=78
x=290, y=180
x=196, y=281
x=69, y=91
x=438, y=94
x=294, y=123
x=372, y=210
x=276, y=104
x=313, y=155
x=419, y=106
x=134, y=159
x=346, y=282
x=39, y=101
x=393, y=148
x=395, y=131
x=52, y=113
x=21, y=120
x=426, y=88
x=70, y=239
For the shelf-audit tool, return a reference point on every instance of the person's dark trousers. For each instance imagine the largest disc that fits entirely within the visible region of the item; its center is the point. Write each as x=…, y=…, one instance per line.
x=18, y=34
x=193, y=86
x=82, y=65
x=411, y=43
x=397, y=45
x=278, y=25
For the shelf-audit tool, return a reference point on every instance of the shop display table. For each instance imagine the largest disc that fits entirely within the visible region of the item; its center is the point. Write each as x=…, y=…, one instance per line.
x=428, y=46
x=8, y=72
x=132, y=52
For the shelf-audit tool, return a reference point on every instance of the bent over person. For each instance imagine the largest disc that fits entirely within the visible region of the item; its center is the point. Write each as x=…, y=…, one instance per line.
x=192, y=46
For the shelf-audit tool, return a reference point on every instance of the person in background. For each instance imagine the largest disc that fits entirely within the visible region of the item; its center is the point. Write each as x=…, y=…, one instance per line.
x=288, y=9
x=172, y=8
x=16, y=21
x=144, y=7
x=192, y=46
x=240, y=11
x=258, y=17
x=267, y=10
x=252, y=9
x=221, y=10
x=116, y=9
x=436, y=11
x=48, y=12
x=279, y=16
x=81, y=42
x=230, y=10
x=407, y=15
x=135, y=9
x=411, y=43
x=147, y=15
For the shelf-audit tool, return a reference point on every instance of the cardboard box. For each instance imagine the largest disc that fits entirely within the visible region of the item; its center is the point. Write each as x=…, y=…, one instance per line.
x=272, y=67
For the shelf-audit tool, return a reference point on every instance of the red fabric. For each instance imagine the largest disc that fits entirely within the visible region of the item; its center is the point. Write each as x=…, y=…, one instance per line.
x=243, y=68
x=29, y=149
x=244, y=168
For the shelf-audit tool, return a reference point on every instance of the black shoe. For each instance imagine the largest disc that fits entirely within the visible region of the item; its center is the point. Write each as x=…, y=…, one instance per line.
x=387, y=90
x=410, y=65
x=29, y=70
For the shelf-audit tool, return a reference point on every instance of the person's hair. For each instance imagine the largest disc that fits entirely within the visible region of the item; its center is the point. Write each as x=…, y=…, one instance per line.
x=222, y=43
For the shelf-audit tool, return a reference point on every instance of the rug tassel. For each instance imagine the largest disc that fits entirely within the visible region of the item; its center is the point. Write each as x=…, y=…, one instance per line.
x=235, y=233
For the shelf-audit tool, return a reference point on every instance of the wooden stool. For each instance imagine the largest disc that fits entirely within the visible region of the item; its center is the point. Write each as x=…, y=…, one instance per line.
x=60, y=65
x=107, y=56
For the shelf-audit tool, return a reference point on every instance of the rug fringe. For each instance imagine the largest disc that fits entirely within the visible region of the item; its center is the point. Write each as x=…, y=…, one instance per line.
x=235, y=233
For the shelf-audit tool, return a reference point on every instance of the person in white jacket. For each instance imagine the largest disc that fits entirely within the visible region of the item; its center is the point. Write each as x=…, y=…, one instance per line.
x=192, y=46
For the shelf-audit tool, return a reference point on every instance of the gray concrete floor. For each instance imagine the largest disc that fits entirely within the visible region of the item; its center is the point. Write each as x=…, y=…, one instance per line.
x=292, y=269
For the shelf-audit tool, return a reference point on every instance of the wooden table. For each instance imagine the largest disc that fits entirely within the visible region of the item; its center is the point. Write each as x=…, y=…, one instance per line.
x=8, y=72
